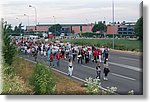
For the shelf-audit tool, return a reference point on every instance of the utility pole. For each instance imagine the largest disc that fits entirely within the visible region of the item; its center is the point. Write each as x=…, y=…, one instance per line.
x=113, y=23
x=35, y=16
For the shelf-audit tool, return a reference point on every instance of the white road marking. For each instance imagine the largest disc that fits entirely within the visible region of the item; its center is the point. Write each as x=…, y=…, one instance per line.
x=130, y=58
x=126, y=66
x=122, y=76
x=88, y=67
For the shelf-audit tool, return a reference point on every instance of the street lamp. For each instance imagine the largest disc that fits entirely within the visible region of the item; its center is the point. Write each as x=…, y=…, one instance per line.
x=28, y=18
x=87, y=24
x=35, y=15
x=55, y=24
x=113, y=23
x=19, y=21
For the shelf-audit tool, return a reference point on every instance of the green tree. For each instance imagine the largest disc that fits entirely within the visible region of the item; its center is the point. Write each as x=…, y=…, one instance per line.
x=9, y=29
x=8, y=48
x=99, y=27
x=56, y=29
x=139, y=28
x=18, y=29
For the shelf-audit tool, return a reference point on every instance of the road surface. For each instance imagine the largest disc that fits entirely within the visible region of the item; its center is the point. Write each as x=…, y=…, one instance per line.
x=126, y=71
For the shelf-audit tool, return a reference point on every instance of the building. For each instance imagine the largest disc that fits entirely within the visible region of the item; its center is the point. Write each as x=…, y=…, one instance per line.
x=125, y=28
x=111, y=29
x=66, y=28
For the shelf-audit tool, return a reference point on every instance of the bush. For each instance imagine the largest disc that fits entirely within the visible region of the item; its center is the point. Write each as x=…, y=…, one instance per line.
x=92, y=86
x=8, y=70
x=42, y=80
x=13, y=84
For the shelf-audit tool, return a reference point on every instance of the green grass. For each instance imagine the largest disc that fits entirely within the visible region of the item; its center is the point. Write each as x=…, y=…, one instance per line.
x=120, y=44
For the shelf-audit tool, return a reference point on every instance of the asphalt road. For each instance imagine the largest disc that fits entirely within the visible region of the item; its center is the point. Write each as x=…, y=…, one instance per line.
x=126, y=71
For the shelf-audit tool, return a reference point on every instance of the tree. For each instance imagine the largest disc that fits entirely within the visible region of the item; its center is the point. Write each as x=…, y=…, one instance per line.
x=99, y=27
x=139, y=28
x=7, y=47
x=9, y=29
x=56, y=29
x=18, y=29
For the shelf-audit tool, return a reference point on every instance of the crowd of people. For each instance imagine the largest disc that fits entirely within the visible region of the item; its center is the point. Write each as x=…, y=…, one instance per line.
x=55, y=51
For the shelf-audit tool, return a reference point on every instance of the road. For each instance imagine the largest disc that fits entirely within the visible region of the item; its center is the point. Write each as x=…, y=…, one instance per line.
x=126, y=71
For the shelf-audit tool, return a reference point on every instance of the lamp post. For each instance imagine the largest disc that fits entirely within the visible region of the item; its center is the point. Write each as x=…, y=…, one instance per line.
x=35, y=16
x=28, y=18
x=113, y=23
x=87, y=25
x=55, y=24
x=19, y=21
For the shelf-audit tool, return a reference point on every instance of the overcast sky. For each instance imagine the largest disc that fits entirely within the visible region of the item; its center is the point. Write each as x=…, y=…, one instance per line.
x=68, y=11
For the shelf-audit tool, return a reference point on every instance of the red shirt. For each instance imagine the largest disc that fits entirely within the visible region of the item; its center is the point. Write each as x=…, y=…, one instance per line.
x=95, y=53
x=99, y=52
x=58, y=56
x=51, y=57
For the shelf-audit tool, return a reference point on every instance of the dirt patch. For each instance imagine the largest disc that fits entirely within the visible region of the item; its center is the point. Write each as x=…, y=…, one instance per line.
x=67, y=85
x=23, y=68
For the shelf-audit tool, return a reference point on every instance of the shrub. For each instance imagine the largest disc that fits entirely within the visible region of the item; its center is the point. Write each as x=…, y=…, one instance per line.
x=8, y=48
x=131, y=92
x=92, y=86
x=15, y=85
x=42, y=80
x=8, y=70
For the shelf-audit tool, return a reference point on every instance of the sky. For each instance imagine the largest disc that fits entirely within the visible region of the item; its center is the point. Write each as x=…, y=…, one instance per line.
x=68, y=11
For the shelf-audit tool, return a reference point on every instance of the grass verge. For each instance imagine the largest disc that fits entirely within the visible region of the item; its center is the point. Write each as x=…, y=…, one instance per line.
x=120, y=44
x=64, y=85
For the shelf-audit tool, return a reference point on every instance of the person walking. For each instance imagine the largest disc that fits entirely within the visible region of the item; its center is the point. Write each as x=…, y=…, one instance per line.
x=51, y=59
x=79, y=57
x=58, y=58
x=74, y=54
x=70, y=67
x=48, y=53
x=86, y=57
x=98, y=70
x=106, y=70
x=100, y=55
x=95, y=54
x=35, y=54
x=106, y=67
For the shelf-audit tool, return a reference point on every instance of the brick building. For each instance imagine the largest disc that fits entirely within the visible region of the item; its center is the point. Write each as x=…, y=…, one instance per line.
x=66, y=28
x=123, y=28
